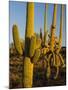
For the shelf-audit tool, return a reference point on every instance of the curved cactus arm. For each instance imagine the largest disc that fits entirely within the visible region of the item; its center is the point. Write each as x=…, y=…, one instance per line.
x=16, y=39
x=48, y=73
x=54, y=59
x=57, y=72
x=62, y=60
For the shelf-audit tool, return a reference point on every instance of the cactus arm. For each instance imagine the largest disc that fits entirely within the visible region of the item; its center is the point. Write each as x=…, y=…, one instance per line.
x=53, y=27
x=45, y=24
x=32, y=46
x=48, y=73
x=61, y=28
x=36, y=55
x=54, y=63
x=57, y=72
x=62, y=60
x=16, y=39
x=38, y=43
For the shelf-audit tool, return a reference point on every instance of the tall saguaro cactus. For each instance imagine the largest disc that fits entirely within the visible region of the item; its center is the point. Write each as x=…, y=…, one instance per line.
x=28, y=66
x=53, y=27
x=55, y=59
x=32, y=45
x=45, y=24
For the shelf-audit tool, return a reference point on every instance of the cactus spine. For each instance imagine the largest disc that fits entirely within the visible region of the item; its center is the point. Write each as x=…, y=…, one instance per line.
x=53, y=27
x=16, y=39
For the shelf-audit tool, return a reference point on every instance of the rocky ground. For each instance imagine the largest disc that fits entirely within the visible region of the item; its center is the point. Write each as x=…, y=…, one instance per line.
x=39, y=78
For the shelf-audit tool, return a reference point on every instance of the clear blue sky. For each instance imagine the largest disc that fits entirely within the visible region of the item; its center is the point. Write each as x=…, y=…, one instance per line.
x=17, y=15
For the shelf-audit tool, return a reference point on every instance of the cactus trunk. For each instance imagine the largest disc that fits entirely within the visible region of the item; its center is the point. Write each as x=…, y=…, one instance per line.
x=28, y=72
x=28, y=66
x=53, y=27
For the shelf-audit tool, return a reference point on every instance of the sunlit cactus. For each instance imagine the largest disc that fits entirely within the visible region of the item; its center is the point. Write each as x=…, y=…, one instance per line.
x=28, y=73
x=32, y=46
x=28, y=66
x=36, y=56
x=45, y=24
x=29, y=26
x=16, y=39
x=61, y=28
x=38, y=42
x=55, y=59
x=53, y=27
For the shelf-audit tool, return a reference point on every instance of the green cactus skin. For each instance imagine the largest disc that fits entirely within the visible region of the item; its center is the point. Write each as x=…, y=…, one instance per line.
x=61, y=28
x=38, y=42
x=32, y=46
x=48, y=73
x=17, y=39
x=28, y=66
x=36, y=56
x=53, y=27
x=28, y=73
x=29, y=26
x=45, y=24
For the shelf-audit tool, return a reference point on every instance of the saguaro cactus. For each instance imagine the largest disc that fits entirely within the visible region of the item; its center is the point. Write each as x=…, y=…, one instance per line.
x=32, y=45
x=53, y=27
x=55, y=59
x=28, y=66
